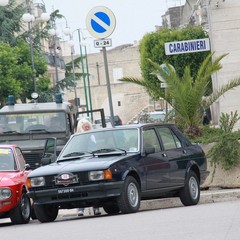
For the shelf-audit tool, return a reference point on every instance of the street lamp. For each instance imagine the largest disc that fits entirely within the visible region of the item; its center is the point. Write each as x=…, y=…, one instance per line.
x=71, y=43
x=29, y=18
x=88, y=80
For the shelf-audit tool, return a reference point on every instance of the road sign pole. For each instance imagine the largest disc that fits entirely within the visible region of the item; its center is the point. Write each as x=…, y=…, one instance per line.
x=108, y=85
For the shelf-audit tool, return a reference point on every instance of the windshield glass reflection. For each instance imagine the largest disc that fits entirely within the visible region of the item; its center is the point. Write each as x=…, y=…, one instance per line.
x=118, y=139
x=30, y=122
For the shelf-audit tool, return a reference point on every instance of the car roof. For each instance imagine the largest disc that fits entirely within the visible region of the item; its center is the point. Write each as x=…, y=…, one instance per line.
x=7, y=146
x=129, y=126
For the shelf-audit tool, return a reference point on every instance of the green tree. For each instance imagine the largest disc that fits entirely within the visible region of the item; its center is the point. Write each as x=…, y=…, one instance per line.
x=152, y=47
x=25, y=74
x=8, y=69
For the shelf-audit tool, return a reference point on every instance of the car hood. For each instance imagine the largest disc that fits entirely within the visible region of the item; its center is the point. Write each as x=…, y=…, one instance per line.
x=7, y=178
x=81, y=164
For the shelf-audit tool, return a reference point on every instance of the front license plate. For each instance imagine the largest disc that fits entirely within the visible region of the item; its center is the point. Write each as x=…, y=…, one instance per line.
x=67, y=190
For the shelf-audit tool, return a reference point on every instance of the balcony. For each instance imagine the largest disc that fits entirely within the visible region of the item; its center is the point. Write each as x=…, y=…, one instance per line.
x=55, y=60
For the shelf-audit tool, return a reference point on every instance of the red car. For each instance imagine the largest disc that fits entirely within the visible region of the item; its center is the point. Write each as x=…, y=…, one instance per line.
x=14, y=202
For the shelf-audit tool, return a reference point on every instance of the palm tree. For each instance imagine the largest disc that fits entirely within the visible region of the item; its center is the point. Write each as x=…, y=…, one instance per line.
x=187, y=93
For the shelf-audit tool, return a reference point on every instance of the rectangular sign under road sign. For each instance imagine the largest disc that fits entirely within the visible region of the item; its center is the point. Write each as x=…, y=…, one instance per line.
x=188, y=46
x=163, y=85
x=103, y=43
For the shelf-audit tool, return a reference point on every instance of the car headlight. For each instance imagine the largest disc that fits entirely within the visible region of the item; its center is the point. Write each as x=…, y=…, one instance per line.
x=100, y=175
x=5, y=193
x=35, y=182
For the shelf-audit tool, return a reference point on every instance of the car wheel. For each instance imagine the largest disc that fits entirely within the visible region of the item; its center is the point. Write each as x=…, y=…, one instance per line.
x=33, y=214
x=129, y=200
x=190, y=194
x=111, y=208
x=21, y=214
x=46, y=213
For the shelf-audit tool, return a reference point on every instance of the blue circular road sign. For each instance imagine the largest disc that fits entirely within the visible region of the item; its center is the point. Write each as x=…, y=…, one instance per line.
x=100, y=22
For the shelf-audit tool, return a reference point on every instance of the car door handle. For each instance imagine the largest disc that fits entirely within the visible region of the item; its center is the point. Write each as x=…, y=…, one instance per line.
x=164, y=154
x=184, y=151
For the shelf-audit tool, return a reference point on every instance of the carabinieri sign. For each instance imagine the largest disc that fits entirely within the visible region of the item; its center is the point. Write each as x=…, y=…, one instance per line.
x=188, y=46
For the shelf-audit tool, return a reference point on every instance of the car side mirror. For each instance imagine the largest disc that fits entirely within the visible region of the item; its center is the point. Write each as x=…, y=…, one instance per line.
x=149, y=150
x=49, y=154
x=27, y=167
x=46, y=161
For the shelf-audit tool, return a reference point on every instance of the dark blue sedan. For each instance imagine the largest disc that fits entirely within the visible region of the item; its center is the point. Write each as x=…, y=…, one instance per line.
x=116, y=168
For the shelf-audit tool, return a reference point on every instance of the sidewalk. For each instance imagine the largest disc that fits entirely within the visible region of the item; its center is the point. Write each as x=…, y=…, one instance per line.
x=207, y=196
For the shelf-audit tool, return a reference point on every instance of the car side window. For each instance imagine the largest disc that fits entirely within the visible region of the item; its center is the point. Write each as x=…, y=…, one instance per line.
x=21, y=159
x=169, y=139
x=150, y=139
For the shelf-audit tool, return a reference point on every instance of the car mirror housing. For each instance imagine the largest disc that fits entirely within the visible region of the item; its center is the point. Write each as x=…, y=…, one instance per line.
x=149, y=150
x=45, y=161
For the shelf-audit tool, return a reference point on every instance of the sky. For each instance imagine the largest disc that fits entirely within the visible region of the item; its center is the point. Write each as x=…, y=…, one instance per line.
x=134, y=18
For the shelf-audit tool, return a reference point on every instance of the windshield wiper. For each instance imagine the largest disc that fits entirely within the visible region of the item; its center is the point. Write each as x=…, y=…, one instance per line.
x=38, y=130
x=76, y=154
x=109, y=150
x=10, y=132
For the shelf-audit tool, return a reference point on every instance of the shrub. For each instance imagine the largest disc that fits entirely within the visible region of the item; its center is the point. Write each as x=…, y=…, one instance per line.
x=226, y=151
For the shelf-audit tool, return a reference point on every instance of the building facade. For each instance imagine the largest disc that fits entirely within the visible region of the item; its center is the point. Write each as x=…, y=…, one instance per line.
x=221, y=19
x=127, y=99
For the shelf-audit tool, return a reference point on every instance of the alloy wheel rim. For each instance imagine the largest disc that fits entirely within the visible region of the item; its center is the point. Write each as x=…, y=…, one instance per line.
x=193, y=186
x=133, y=195
x=25, y=208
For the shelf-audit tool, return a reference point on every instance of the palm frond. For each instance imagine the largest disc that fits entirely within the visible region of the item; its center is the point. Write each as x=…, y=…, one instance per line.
x=217, y=94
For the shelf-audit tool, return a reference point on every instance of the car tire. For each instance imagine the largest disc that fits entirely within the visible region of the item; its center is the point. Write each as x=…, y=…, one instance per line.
x=111, y=208
x=190, y=194
x=21, y=213
x=33, y=214
x=46, y=213
x=130, y=198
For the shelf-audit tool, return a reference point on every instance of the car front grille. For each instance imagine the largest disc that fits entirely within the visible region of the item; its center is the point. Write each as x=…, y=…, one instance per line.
x=50, y=182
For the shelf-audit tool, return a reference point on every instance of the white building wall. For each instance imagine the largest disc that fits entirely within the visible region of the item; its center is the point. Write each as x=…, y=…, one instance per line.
x=225, y=35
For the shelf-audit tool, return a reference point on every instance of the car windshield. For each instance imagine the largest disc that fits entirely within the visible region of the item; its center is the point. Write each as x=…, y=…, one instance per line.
x=7, y=161
x=95, y=141
x=21, y=123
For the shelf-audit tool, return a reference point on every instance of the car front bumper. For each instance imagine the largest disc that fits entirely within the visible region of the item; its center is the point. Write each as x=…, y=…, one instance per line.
x=77, y=194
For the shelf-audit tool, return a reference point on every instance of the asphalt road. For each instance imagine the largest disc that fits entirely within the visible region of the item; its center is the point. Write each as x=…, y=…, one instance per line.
x=209, y=221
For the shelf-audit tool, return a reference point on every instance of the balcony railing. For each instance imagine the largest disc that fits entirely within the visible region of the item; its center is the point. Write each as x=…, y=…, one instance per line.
x=55, y=60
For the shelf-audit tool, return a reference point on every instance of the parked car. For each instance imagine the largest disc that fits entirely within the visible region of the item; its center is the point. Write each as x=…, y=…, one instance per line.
x=151, y=117
x=116, y=168
x=14, y=202
x=116, y=118
x=157, y=116
x=98, y=122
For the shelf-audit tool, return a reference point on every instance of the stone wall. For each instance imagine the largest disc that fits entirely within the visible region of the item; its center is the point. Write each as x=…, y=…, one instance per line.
x=220, y=178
